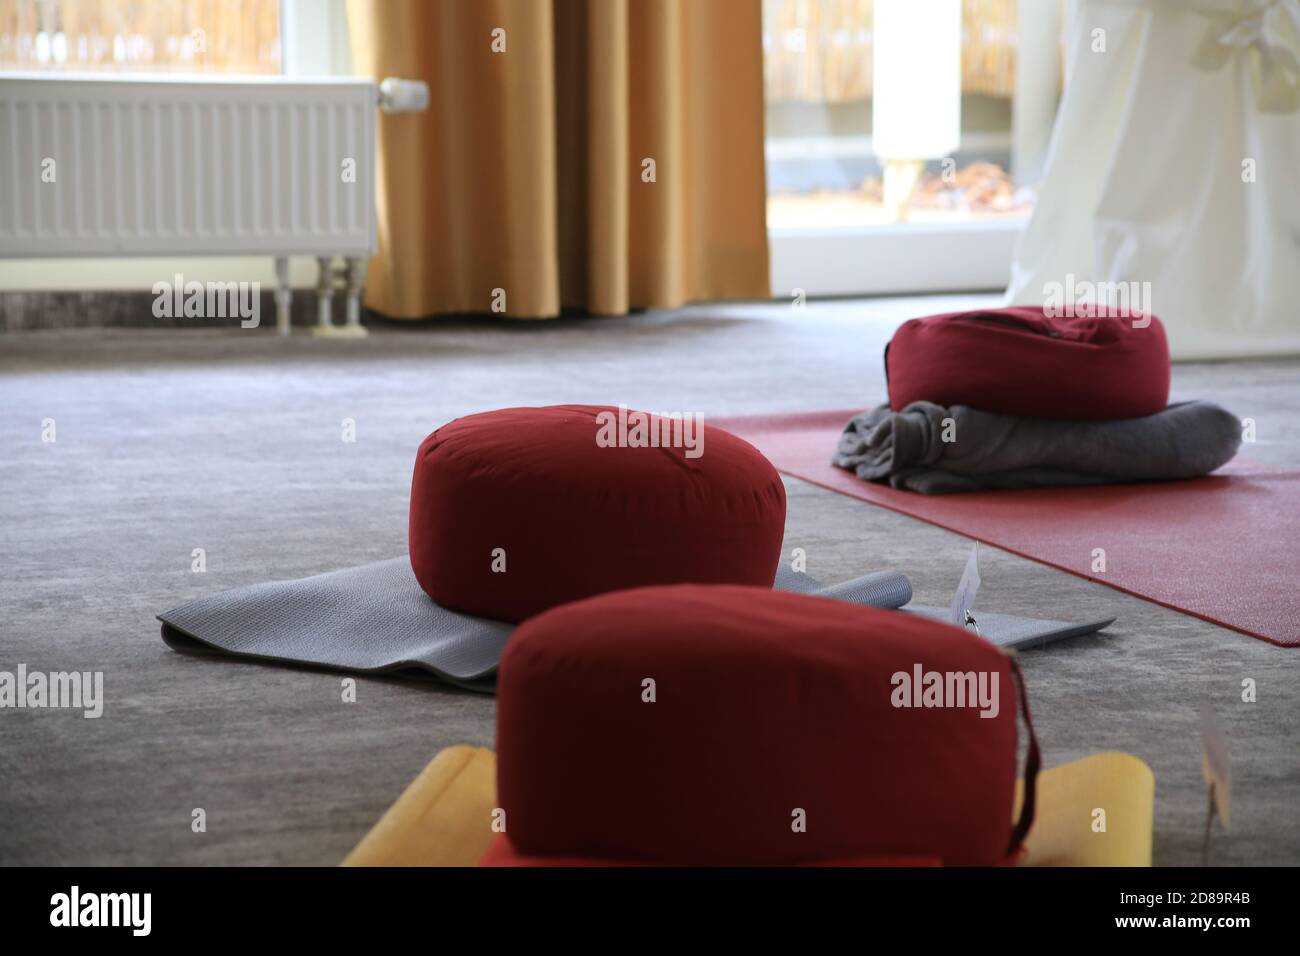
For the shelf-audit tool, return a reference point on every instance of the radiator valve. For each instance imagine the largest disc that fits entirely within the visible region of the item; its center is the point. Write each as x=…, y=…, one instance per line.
x=403, y=96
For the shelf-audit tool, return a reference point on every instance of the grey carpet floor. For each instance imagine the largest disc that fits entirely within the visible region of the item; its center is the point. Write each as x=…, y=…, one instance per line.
x=230, y=441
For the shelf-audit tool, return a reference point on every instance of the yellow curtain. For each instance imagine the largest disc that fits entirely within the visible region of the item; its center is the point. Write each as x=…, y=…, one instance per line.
x=600, y=155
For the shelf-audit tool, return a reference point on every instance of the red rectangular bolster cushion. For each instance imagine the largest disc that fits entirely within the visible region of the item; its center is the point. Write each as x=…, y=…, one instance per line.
x=723, y=725
x=1023, y=361
x=518, y=510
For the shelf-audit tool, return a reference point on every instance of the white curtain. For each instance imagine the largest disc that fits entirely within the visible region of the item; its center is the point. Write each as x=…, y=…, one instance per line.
x=1175, y=160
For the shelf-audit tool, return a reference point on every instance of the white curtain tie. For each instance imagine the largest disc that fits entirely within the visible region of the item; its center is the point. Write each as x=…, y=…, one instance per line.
x=1268, y=36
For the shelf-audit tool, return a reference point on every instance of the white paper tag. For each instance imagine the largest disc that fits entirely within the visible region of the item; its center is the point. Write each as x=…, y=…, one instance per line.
x=1216, y=764
x=967, y=588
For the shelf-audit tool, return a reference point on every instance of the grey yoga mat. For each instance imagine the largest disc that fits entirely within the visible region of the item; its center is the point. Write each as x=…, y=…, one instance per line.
x=375, y=618
x=889, y=589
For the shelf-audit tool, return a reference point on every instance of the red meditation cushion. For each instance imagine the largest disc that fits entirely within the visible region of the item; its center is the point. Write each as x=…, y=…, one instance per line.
x=766, y=705
x=518, y=510
x=1022, y=361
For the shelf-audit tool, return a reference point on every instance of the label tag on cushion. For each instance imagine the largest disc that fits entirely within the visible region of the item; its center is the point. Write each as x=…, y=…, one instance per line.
x=1216, y=766
x=963, y=602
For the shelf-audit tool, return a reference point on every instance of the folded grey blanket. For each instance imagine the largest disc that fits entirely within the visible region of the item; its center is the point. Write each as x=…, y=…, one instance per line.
x=937, y=450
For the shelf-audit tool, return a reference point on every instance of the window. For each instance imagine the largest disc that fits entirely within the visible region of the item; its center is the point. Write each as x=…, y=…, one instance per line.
x=187, y=36
x=941, y=88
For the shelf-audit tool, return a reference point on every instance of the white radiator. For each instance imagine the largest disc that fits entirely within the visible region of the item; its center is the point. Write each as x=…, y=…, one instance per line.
x=108, y=165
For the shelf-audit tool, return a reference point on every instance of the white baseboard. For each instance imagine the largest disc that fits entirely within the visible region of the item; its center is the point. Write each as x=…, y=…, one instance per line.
x=892, y=259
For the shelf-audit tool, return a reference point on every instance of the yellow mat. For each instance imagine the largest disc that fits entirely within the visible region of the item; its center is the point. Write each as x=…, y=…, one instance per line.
x=444, y=818
x=1096, y=811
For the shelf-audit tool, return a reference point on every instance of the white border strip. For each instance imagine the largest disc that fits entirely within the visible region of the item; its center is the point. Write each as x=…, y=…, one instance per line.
x=893, y=259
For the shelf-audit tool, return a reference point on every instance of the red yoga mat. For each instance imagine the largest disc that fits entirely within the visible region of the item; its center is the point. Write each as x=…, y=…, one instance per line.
x=1223, y=548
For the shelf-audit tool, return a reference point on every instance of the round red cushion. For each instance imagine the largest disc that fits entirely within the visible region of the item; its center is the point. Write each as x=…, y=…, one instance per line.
x=765, y=703
x=531, y=490
x=1022, y=361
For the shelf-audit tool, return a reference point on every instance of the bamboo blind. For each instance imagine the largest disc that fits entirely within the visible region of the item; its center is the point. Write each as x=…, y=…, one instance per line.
x=821, y=50
x=219, y=36
x=815, y=50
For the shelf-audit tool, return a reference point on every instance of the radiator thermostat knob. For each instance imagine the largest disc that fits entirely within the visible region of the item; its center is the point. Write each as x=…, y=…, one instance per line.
x=403, y=96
